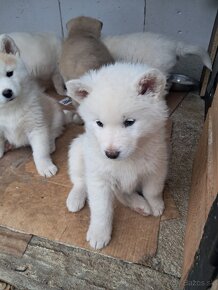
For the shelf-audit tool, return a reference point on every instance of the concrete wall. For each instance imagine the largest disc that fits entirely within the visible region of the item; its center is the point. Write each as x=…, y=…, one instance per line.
x=187, y=20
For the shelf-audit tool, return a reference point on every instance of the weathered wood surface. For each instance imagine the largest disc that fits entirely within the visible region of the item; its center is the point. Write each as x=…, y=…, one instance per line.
x=204, y=186
x=13, y=242
x=48, y=265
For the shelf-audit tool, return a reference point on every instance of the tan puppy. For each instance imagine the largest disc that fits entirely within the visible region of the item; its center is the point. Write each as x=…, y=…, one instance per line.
x=83, y=50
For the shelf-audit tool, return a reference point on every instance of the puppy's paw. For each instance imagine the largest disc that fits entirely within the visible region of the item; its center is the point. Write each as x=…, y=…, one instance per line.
x=158, y=208
x=98, y=238
x=46, y=168
x=140, y=205
x=75, y=200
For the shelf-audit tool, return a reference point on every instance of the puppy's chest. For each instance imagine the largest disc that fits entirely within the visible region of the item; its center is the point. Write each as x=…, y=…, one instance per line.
x=13, y=130
x=127, y=178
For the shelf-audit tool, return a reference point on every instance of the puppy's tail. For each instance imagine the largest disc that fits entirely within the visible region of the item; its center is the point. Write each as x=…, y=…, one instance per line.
x=184, y=49
x=72, y=117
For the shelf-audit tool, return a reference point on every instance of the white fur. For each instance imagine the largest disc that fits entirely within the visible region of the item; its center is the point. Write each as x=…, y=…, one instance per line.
x=152, y=49
x=114, y=94
x=29, y=117
x=40, y=53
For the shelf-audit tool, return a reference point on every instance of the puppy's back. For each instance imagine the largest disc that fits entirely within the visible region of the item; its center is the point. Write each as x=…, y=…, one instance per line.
x=83, y=50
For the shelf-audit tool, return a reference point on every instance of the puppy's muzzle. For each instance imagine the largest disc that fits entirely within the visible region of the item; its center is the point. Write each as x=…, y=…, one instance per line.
x=7, y=93
x=112, y=154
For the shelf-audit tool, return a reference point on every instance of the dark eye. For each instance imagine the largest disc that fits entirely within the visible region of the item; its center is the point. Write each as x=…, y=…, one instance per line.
x=99, y=123
x=128, y=122
x=9, y=74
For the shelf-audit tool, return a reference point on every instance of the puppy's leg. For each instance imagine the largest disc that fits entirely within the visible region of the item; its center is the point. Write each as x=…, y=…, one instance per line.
x=153, y=189
x=101, y=207
x=77, y=196
x=58, y=83
x=2, y=145
x=39, y=141
x=135, y=202
x=52, y=145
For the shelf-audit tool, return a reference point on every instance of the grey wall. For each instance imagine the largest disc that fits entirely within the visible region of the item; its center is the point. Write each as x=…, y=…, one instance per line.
x=187, y=20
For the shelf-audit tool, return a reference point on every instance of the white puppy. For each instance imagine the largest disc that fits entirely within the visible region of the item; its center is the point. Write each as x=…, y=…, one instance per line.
x=123, y=150
x=27, y=116
x=153, y=49
x=40, y=53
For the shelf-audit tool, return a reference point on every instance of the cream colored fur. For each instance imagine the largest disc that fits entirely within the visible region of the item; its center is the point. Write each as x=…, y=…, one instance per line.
x=152, y=49
x=40, y=53
x=123, y=150
x=27, y=116
x=82, y=49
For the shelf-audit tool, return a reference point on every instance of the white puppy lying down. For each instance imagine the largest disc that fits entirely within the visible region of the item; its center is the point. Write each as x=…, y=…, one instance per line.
x=123, y=150
x=40, y=53
x=153, y=49
x=27, y=116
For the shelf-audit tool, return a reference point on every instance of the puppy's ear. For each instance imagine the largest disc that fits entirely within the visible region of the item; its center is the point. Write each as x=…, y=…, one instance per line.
x=152, y=83
x=77, y=90
x=69, y=24
x=7, y=45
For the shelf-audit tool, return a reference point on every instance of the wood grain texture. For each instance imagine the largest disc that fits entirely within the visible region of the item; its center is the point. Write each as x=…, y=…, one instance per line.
x=204, y=186
x=50, y=266
x=12, y=242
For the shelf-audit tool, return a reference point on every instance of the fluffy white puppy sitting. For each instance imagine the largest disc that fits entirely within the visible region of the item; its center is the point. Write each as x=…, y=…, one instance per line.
x=123, y=150
x=27, y=116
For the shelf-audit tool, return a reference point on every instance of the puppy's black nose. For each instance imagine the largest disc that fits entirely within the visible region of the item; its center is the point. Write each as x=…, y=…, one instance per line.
x=7, y=93
x=112, y=154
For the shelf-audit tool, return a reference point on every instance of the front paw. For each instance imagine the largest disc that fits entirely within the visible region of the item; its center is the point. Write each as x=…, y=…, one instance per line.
x=158, y=208
x=46, y=168
x=98, y=238
x=75, y=200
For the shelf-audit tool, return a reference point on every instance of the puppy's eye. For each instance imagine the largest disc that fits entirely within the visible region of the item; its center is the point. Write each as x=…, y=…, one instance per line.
x=128, y=122
x=9, y=74
x=99, y=123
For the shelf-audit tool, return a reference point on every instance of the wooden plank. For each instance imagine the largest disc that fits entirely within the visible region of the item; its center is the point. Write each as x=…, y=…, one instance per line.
x=213, y=45
x=13, y=243
x=47, y=265
x=204, y=266
x=204, y=186
x=196, y=210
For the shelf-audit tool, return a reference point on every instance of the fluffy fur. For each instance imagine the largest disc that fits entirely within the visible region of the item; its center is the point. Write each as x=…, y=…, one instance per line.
x=123, y=150
x=27, y=116
x=152, y=49
x=40, y=53
x=83, y=50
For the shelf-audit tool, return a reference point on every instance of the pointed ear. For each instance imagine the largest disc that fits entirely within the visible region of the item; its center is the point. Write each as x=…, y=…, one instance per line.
x=152, y=82
x=7, y=45
x=77, y=90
